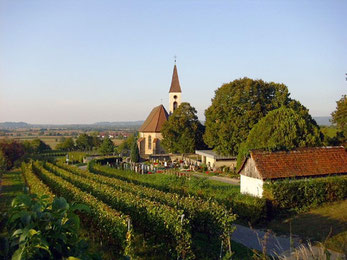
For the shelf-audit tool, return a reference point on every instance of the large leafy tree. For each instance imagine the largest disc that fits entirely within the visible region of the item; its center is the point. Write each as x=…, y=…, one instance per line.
x=38, y=146
x=182, y=133
x=67, y=144
x=107, y=146
x=84, y=142
x=281, y=129
x=238, y=106
x=339, y=116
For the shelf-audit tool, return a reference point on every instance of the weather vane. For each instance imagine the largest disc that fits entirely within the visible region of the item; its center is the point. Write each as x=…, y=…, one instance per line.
x=345, y=73
x=175, y=57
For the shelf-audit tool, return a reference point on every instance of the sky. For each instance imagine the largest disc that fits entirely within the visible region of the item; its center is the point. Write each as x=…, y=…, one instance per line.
x=84, y=61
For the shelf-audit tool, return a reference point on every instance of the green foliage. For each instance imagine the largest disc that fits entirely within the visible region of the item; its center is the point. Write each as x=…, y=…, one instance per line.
x=41, y=230
x=305, y=193
x=3, y=162
x=67, y=144
x=182, y=133
x=247, y=207
x=281, y=129
x=84, y=142
x=339, y=116
x=204, y=215
x=109, y=224
x=154, y=217
x=238, y=106
x=10, y=152
x=38, y=146
x=76, y=157
x=124, y=148
x=134, y=153
x=107, y=146
x=36, y=186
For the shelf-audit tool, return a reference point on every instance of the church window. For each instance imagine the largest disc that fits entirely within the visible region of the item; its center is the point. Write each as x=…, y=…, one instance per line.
x=149, y=142
x=174, y=105
x=175, y=97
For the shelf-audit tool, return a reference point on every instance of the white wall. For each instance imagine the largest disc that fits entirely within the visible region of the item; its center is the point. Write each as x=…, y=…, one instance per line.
x=252, y=186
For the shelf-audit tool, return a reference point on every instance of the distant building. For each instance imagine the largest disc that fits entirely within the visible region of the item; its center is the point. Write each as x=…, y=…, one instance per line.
x=150, y=132
x=264, y=166
x=214, y=160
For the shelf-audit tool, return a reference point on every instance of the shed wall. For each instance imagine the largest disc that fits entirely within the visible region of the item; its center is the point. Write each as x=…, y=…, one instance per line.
x=251, y=186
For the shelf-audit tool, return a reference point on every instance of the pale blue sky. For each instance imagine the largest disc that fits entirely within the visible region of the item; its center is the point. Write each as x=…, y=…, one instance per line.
x=83, y=61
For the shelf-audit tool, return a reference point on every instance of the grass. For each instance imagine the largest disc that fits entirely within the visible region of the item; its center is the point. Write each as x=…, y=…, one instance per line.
x=327, y=223
x=12, y=184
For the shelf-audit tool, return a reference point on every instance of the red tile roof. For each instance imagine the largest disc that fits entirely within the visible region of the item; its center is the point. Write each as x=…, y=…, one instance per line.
x=175, y=83
x=302, y=162
x=155, y=120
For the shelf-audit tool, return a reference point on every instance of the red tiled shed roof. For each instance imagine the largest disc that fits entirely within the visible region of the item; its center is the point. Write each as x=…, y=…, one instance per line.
x=155, y=120
x=302, y=162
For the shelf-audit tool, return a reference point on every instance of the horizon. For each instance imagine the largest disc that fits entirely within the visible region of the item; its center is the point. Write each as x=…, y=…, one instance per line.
x=85, y=62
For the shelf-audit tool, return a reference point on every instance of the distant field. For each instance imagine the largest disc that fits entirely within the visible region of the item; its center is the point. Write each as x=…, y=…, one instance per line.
x=52, y=141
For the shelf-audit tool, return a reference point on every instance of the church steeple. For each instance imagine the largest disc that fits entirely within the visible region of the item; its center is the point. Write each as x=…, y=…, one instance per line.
x=175, y=83
x=175, y=91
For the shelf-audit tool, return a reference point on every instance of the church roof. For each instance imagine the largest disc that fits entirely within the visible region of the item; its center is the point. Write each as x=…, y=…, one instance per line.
x=155, y=120
x=175, y=83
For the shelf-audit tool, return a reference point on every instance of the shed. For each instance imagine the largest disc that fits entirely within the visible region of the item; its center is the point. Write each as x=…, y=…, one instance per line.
x=214, y=160
x=263, y=166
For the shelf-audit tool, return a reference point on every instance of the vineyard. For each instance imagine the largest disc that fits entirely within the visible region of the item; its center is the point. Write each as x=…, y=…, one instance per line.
x=135, y=219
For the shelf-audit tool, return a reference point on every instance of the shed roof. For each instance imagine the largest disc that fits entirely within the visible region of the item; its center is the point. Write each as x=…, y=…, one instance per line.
x=155, y=120
x=303, y=162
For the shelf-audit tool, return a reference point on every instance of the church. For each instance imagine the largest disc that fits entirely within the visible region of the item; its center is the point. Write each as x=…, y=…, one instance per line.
x=150, y=132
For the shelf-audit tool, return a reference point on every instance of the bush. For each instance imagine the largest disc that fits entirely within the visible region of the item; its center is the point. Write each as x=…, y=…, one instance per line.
x=304, y=193
x=43, y=230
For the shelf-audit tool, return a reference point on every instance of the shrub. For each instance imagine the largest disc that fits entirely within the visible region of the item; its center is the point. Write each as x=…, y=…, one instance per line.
x=303, y=193
x=43, y=230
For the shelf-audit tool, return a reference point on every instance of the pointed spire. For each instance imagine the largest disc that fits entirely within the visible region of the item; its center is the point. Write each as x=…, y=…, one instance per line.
x=175, y=83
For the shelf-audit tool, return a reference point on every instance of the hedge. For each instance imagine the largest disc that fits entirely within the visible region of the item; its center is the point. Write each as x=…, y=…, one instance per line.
x=299, y=194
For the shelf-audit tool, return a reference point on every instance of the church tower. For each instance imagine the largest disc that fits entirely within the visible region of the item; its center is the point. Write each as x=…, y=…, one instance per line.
x=175, y=92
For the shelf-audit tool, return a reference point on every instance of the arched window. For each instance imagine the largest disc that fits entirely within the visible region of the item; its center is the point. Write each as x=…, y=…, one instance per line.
x=149, y=142
x=174, y=105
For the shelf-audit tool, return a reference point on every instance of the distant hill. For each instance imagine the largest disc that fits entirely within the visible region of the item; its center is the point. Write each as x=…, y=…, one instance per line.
x=14, y=125
x=323, y=120
x=98, y=125
x=124, y=123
